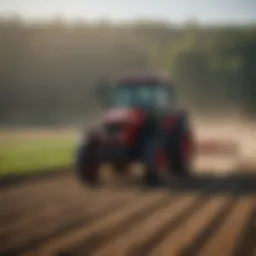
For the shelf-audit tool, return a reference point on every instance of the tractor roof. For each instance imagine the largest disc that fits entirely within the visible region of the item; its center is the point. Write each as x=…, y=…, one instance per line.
x=138, y=79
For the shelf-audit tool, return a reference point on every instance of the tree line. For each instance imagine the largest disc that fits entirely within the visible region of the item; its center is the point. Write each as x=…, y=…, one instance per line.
x=48, y=70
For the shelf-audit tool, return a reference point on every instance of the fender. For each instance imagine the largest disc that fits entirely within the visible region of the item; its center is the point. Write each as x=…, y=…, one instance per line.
x=179, y=120
x=174, y=118
x=93, y=136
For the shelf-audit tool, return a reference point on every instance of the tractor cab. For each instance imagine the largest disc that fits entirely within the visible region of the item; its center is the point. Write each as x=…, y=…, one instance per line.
x=149, y=94
x=140, y=101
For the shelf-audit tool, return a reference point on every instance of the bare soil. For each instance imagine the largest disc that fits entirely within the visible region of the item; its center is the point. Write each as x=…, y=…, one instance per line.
x=201, y=215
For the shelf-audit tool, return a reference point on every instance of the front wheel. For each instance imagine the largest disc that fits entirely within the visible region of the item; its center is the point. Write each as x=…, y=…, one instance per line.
x=87, y=164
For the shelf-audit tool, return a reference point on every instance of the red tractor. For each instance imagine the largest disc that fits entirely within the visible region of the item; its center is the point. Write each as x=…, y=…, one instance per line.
x=142, y=124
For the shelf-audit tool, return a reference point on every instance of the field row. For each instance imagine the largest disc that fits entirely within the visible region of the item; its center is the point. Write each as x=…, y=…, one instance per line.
x=60, y=217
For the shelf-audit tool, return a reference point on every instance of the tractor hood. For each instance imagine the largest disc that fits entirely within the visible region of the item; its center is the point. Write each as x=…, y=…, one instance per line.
x=125, y=115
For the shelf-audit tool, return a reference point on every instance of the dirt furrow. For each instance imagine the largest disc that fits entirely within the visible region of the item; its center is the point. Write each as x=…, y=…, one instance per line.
x=235, y=222
x=43, y=215
x=247, y=245
x=115, y=217
x=144, y=231
x=66, y=222
x=104, y=237
x=51, y=207
x=195, y=245
x=180, y=238
x=189, y=217
x=14, y=194
x=14, y=208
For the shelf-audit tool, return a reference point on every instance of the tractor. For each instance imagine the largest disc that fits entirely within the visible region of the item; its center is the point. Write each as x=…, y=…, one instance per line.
x=142, y=123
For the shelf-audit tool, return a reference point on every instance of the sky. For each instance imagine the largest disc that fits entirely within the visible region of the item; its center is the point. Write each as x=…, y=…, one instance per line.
x=205, y=11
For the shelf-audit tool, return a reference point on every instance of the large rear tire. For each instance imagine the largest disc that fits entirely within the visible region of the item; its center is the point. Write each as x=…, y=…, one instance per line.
x=180, y=152
x=155, y=161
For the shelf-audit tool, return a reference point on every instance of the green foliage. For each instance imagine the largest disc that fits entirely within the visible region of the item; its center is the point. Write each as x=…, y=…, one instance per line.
x=216, y=71
x=48, y=71
x=24, y=153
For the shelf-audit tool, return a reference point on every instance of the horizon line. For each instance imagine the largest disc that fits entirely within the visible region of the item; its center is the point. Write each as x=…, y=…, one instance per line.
x=74, y=20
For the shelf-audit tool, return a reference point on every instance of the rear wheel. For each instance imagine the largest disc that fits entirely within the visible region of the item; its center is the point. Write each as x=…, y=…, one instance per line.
x=156, y=162
x=181, y=154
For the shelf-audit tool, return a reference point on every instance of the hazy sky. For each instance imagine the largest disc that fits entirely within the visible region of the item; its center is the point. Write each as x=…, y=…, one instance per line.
x=209, y=11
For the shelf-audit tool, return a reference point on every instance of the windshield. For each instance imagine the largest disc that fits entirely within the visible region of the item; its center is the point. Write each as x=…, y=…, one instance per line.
x=146, y=96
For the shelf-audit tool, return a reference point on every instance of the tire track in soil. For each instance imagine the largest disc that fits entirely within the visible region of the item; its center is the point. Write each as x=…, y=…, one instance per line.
x=55, y=228
x=104, y=237
x=168, y=227
x=236, y=222
x=115, y=216
x=14, y=217
x=246, y=245
x=25, y=202
x=181, y=237
x=28, y=212
x=14, y=194
x=127, y=222
x=48, y=213
x=49, y=208
x=198, y=242
x=15, y=209
x=144, y=231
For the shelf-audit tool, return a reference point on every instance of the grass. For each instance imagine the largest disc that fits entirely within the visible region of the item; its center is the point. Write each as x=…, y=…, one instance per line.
x=24, y=152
